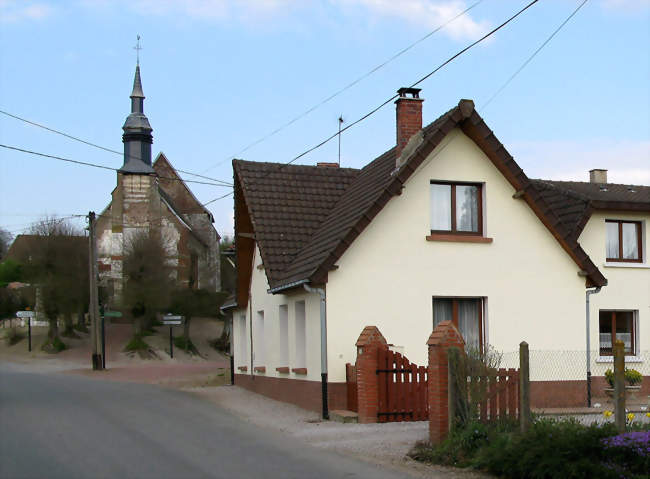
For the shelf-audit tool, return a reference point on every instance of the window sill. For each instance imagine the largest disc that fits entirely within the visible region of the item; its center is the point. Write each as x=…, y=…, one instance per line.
x=610, y=359
x=626, y=265
x=299, y=370
x=458, y=238
x=283, y=369
x=259, y=369
x=243, y=368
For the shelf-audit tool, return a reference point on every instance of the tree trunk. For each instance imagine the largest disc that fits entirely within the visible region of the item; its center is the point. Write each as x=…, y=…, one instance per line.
x=53, y=331
x=138, y=325
x=81, y=320
x=67, y=325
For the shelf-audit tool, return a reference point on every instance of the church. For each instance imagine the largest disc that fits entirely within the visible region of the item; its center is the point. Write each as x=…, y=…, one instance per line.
x=152, y=195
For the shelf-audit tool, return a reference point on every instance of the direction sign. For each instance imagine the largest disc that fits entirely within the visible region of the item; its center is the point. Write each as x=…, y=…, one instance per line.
x=25, y=314
x=112, y=314
x=171, y=320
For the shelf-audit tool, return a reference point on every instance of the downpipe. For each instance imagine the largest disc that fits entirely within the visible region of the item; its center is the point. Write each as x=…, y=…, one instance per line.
x=323, y=345
x=589, y=293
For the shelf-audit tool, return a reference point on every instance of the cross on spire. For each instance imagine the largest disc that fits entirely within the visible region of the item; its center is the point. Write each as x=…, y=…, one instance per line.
x=137, y=49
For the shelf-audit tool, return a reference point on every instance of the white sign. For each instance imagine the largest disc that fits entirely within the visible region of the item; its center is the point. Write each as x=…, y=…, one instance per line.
x=25, y=314
x=170, y=319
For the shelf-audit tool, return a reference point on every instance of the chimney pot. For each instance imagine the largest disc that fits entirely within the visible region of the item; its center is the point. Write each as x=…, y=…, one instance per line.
x=409, y=116
x=597, y=176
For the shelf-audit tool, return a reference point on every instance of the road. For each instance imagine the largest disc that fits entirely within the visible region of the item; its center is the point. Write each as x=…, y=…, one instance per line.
x=62, y=426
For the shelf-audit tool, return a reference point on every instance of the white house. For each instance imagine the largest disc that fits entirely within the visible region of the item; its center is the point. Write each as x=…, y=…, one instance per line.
x=443, y=226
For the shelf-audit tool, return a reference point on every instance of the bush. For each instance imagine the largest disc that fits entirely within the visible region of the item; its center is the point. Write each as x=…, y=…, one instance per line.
x=632, y=377
x=628, y=452
x=54, y=346
x=13, y=336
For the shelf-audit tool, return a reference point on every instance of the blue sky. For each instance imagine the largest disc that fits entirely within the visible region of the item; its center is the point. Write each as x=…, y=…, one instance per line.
x=220, y=74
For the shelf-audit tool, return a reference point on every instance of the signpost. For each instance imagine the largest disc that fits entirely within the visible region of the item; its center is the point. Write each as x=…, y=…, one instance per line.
x=29, y=315
x=107, y=314
x=171, y=321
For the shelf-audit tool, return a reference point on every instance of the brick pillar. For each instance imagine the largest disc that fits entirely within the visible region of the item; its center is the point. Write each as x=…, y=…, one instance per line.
x=370, y=340
x=444, y=336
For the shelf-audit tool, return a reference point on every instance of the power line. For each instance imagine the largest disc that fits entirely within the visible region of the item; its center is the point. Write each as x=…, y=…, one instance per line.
x=443, y=64
x=84, y=163
x=94, y=145
x=346, y=87
x=530, y=58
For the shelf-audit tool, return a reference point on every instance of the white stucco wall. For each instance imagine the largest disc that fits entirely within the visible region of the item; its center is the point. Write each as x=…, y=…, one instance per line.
x=628, y=287
x=389, y=275
x=270, y=304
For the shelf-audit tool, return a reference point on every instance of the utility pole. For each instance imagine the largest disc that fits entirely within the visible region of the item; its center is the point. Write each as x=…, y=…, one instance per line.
x=340, y=123
x=93, y=306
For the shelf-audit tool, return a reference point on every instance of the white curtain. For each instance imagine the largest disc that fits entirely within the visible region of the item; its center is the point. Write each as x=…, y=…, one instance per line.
x=466, y=208
x=612, y=240
x=630, y=243
x=442, y=310
x=468, y=319
x=441, y=207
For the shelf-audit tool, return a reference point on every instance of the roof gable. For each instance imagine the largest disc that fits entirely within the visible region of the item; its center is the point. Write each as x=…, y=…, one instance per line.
x=370, y=191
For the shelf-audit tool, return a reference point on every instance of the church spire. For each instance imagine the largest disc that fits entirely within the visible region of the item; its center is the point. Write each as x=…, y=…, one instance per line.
x=137, y=136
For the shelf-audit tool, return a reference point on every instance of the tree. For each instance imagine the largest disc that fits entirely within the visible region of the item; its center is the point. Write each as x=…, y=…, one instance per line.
x=194, y=303
x=54, y=249
x=10, y=271
x=5, y=240
x=148, y=281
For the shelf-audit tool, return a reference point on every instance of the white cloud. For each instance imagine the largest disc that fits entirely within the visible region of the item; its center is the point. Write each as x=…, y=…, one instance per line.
x=12, y=11
x=626, y=161
x=429, y=13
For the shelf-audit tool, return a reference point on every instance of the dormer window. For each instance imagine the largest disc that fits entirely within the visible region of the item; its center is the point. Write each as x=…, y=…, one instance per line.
x=624, y=241
x=456, y=208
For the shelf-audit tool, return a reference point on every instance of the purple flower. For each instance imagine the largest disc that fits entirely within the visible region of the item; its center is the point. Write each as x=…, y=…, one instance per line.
x=638, y=442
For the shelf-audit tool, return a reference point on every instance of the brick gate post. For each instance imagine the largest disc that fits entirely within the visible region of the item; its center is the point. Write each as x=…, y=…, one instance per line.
x=370, y=340
x=444, y=336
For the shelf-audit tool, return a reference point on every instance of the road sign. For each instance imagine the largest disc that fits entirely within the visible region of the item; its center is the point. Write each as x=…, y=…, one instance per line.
x=25, y=314
x=112, y=314
x=171, y=320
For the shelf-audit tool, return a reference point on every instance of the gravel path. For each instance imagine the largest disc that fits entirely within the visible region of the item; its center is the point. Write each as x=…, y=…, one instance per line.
x=385, y=444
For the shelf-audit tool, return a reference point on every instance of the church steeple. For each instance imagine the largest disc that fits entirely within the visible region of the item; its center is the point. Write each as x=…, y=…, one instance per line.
x=137, y=136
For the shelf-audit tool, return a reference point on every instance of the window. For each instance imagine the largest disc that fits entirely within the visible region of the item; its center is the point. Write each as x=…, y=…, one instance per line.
x=614, y=326
x=456, y=208
x=259, y=345
x=301, y=336
x=467, y=316
x=284, y=335
x=624, y=241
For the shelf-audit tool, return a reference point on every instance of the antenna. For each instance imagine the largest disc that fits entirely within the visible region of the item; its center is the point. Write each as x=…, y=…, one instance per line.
x=340, y=123
x=137, y=49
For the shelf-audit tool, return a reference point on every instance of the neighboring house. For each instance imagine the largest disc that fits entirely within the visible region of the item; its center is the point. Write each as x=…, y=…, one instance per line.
x=443, y=226
x=147, y=197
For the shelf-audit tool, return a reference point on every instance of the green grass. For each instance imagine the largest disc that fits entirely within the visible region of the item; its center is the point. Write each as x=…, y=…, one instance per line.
x=136, y=344
x=13, y=336
x=54, y=346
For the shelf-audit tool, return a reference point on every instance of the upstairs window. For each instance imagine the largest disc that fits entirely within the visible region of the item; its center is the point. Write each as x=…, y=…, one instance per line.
x=456, y=208
x=624, y=241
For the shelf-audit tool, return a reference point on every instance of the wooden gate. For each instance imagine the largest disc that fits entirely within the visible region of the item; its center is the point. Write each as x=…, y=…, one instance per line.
x=402, y=388
x=499, y=394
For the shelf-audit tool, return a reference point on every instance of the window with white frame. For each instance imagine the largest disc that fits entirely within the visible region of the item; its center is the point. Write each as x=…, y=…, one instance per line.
x=259, y=344
x=283, y=326
x=301, y=336
x=615, y=325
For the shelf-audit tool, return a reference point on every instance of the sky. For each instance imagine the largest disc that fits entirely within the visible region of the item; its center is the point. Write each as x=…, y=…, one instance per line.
x=219, y=75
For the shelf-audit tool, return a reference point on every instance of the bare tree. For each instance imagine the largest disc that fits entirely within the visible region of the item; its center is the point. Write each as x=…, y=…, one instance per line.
x=147, y=277
x=5, y=240
x=54, y=247
x=195, y=303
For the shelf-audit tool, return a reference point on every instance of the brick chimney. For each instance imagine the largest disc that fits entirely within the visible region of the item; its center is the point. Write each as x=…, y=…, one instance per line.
x=597, y=176
x=409, y=116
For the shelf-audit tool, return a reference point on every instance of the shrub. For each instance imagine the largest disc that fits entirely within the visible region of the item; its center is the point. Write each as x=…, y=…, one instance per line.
x=628, y=452
x=632, y=377
x=54, y=345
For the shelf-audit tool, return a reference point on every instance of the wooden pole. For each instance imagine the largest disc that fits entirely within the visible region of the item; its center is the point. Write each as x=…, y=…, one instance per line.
x=619, y=386
x=524, y=387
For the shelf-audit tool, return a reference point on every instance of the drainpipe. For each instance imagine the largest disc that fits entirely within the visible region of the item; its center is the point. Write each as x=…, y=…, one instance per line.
x=323, y=345
x=589, y=293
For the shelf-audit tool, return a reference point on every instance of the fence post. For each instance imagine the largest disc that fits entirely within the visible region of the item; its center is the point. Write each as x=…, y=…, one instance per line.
x=370, y=340
x=444, y=336
x=524, y=387
x=619, y=386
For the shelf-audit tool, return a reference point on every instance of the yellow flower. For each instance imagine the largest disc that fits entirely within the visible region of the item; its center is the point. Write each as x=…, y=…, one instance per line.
x=609, y=413
x=647, y=414
x=630, y=416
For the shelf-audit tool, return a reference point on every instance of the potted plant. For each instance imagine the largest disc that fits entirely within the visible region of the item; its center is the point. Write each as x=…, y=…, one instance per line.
x=633, y=380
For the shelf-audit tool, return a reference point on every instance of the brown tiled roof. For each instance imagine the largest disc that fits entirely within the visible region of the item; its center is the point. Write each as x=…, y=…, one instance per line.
x=304, y=217
x=286, y=205
x=574, y=201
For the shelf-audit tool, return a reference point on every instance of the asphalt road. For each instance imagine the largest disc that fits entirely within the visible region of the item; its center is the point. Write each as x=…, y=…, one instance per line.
x=60, y=426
